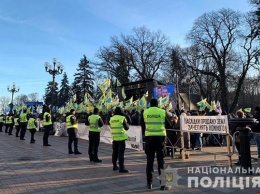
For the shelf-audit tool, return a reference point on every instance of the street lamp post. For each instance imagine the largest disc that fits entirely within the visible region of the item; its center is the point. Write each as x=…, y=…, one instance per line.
x=13, y=89
x=189, y=81
x=54, y=70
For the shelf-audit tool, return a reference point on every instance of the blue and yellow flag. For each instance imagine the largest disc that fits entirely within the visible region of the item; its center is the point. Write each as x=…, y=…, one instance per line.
x=87, y=98
x=104, y=85
x=247, y=110
x=129, y=101
x=213, y=106
x=203, y=104
x=118, y=82
x=74, y=98
x=123, y=92
x=169, y=107
x=142, y=103
x=162, y=102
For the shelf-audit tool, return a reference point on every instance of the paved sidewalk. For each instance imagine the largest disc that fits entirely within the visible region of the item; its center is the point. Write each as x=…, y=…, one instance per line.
x=32, y=168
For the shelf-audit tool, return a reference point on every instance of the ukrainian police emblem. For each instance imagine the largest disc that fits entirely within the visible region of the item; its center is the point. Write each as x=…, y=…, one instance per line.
x=169, y=177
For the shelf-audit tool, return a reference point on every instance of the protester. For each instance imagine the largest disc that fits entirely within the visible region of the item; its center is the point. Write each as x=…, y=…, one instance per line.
x=171, y=136
x=119, y=126
x=213, y=139
x=199, y=136
x=256, y=129
x=234, y=128
x=193, y=136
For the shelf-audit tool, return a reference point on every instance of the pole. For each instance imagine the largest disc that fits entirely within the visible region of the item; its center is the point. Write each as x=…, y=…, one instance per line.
x=53, y=71
x=52, y=91
x=12, y=101
x=189, y=95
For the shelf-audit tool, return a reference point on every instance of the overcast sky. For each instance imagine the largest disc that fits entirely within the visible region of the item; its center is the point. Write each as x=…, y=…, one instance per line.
x=33, y=32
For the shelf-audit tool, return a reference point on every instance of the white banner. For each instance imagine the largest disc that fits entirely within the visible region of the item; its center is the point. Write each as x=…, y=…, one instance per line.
x=134, y=134
x=204, y=124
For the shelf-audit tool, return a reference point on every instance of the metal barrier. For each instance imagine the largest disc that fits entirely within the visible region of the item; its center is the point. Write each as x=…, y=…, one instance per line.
x=235, y=151
x=174, y=146
x=184, y=151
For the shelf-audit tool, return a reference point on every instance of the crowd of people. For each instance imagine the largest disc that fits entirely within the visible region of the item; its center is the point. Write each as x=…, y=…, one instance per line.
x=154, y=121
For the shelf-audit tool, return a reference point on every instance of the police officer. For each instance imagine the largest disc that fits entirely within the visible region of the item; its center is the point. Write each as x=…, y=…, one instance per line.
x=1, y=122
x=95, y=123
x=9, y=124
x=119, y=126
x=47, y=124
x=72, y=130
x=32, y=125
x=153, y=122
x=23, y=118
x=17, y=125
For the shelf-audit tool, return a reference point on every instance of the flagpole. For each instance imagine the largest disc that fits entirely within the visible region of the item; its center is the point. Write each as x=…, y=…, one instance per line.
x=178, y=92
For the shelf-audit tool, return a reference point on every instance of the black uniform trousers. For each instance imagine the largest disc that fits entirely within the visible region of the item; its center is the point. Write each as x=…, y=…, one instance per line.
x=23, y=126
x=1, y=126
x=72, y=139
x=94, y=139
x=47, y=129
x=154, y=144
x=7, y=126
x=118, y=153
x=11, y=127
x=17, y=128
x=32, y=131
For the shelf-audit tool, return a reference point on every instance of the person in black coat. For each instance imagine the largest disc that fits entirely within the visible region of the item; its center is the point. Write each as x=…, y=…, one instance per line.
x=256, y=129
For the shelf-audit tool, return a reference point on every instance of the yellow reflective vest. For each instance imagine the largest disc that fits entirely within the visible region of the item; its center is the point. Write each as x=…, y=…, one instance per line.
x=68, y=122
x=16, y=121
x=1, y=119
x=9, y=120
x=93, y=123
x=154, y=119
x=31, y=124
x=23, y=118
x=44, y=119
x=117, y=129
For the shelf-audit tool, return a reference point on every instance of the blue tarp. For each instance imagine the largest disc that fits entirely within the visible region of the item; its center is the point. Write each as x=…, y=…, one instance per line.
x=33, y=103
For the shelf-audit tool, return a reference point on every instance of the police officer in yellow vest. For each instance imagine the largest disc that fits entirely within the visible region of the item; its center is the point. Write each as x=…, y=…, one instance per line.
x=32, y=125
x=17, y=125
x=119, y=126
x=72, y=130
x=95, y=123
x=9, y=124
x=1, y=122
x=23, y=118
x=154, y=121
x=47, y=124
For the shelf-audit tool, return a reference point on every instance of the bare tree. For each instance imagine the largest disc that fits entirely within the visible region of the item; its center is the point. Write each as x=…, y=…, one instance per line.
x=20, y=99
x=115, y=60
x=142, y=54
x=4, y=102
x=33, y=97
x=226, y=38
